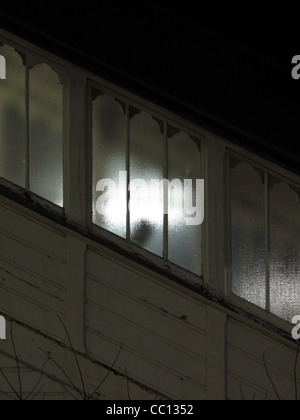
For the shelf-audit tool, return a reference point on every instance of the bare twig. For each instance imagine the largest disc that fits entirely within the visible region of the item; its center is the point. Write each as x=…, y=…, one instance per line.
x=242, y=394
x=76, y=359
x=8, y=395
x=19, y=395
x=10, y=385
x=128, y=387
x=64, y=388
x=35, y=395
x=73, y=386
x=83, y=394
x=38, y=383
x=107, y=375
x=70, y=388
x=17, y=360
x=270, y=378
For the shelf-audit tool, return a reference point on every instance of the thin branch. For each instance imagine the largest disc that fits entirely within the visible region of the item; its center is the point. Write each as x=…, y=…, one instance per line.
x=65, y=389
x=17, y=360
x=38, y=383
x=270, y=378
x=53, y=379
x=10, y=385
x=36, y=394
x=75, y=357
x=20, y=396
x=9, y=396
x=65, y=375
x=108, y=373
x=242, y=394
x=128, y=387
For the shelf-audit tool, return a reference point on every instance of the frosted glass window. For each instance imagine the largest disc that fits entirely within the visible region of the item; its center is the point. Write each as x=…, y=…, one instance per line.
x=132, y=154
x=146, y=164
x=12, y=119
x=46, y=134
x=184, y=245
x=248, y=234
x=109, y=159
x=265, y=220
x=284, y=251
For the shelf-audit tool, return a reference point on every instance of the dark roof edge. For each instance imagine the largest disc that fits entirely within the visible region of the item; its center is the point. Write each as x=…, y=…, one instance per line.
x=195, y=115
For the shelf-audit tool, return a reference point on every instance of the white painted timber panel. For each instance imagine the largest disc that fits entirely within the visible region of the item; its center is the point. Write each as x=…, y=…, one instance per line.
x=146, y=317
x=143, y=370
x=31, y=231
x=149, y=345
x=162, y=332
x=249, y=375
x=32, y=270
x=36, y=261
x=148, y=290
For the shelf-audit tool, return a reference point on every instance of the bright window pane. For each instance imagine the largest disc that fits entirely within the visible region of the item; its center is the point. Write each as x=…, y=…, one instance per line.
x=184, y=240
x=128, y=165
x=109, y=159
x=248, y=234
x=285, y=251
x=12, y=119
x=46, y=134
x=146, y=164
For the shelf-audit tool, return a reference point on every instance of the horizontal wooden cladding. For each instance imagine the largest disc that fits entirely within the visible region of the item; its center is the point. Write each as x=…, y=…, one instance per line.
x=36, y=235
x=145, y=317
x=35, y=261
x=162, y=332
x=252, y=373
x=149, y=344
x=143, y=370
x=246, y=351
x=147, y=290
x=28, y=348
x=32, y=349
x=32, y=285
x=29, y=380
x=35, y=315
x=242, y=390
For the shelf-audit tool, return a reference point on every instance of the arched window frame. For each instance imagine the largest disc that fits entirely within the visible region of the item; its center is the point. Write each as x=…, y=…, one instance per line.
x=30, y=60
x=271, y=174
x=168, y=128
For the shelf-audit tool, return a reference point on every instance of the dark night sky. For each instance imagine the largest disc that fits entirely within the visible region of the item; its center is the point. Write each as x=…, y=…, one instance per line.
x=228, y=69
